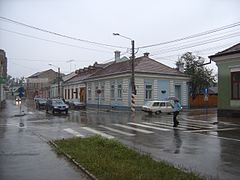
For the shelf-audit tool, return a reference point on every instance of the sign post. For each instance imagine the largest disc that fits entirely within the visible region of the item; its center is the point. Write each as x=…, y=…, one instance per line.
x=206, y=100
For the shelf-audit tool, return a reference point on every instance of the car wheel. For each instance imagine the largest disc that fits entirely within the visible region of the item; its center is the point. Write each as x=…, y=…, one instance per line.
x=158, y=112
x=66, y=111
x=46, y=110
x=53, y=111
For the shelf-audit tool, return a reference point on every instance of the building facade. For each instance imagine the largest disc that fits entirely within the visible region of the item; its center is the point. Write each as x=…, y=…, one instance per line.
x=39, y=83
x=3, y=75
x=228, y=63
x=111, y=86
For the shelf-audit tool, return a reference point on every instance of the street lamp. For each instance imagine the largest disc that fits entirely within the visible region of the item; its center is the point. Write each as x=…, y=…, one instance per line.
x=132, y=78
x=57, y=78
x=133, y=59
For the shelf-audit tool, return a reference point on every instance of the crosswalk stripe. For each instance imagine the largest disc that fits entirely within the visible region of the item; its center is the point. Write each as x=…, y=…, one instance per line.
x=167, y=126
x=180, y=125
x=135, y=129
x=98, y=132
x=209, y=130
x=75, y=133
x=117, y=131
x=197, y=121
x=151, y=127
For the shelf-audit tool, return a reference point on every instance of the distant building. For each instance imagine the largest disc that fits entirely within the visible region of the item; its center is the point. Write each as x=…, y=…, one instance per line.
x=39, y=83
x=3, y=75
x=228, y=62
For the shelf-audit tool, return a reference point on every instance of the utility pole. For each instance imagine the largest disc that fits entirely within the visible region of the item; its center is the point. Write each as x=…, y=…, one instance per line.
x=59, y=82
x=134, y=92
x=133, y=77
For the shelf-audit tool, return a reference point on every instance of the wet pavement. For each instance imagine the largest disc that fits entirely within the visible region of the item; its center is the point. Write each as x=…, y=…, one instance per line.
x=25, y=156
x=202, y=143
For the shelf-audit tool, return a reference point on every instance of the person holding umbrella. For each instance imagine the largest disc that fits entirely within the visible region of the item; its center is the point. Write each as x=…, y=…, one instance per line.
x=176, y=109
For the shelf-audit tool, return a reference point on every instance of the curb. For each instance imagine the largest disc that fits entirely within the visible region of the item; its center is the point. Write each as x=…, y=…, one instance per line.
x=73, y=160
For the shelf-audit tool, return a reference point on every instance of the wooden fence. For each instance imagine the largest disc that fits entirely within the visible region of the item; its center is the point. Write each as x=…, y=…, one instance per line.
x=199, y=101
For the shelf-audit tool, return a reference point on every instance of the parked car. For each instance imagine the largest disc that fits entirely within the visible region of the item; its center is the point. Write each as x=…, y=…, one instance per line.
x=75, y=104
x=56, y=105
x=40, y=103
x=158, y=107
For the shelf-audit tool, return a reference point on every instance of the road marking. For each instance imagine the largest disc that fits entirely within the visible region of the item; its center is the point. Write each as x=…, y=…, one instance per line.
x=37, y=121
x=98, y=132
x=180, y=125
x=151, y=127
x=209, y=130
x=75, y=133
x=135, y=129
x=117, y=131
x=167, y=126
x=187, y=119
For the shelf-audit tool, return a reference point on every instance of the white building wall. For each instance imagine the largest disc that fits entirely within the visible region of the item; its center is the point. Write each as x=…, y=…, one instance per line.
x=184, y=94
x=171, y=88
x=125, y=92
x=155, y=89
x=140, y=91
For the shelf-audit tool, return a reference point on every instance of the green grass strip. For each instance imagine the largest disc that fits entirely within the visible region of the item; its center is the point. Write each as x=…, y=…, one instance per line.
x=109, y=159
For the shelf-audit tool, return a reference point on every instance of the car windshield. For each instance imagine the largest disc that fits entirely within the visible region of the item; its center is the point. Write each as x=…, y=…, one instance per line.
x=42, y=100
x=58, y=101
x=148, y=103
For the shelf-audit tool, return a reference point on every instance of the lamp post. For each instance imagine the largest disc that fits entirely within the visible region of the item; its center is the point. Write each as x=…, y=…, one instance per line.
x=132, y=70
x=57, y=78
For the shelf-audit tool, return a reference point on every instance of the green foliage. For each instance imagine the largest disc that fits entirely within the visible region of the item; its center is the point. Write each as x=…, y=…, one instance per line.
x=109, y=159
x=201, y=76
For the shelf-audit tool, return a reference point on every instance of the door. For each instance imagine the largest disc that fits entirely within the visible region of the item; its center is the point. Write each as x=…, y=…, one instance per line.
x=178, y=92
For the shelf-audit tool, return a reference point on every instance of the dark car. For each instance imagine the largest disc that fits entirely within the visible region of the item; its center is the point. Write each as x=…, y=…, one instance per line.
x=40, y=103
x=56, y=105
x=75, y=104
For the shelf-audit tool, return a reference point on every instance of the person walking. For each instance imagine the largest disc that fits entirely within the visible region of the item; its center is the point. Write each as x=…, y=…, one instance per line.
x=176, y=109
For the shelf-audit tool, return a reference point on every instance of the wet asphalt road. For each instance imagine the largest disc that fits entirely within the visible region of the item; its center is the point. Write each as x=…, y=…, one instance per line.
x=202, y=143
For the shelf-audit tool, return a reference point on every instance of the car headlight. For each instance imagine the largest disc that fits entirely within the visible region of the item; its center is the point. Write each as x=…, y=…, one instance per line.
x=55, y=107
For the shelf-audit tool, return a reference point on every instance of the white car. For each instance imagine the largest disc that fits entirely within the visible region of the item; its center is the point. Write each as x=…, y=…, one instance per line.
x=158, y=107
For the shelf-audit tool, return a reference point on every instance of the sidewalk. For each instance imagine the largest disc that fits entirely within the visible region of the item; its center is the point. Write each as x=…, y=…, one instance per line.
x=24, y=156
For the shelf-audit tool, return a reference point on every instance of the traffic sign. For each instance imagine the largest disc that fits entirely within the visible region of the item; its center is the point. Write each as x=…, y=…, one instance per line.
x=21, y=92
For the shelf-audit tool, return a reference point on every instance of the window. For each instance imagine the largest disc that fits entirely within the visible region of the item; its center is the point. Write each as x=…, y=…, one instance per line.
x=65, y=94
x=235, y=76
x=148, y=92
x=68, y=93
x=102, y=90
x=112, y=90
x=119, y=91
x=162, y=104
x=76, y=93
x=89, y=92
x=156, y=104
x=72, y=93
x=96, y=90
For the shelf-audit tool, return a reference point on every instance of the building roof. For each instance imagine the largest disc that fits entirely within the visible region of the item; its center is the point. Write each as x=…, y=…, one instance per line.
x=36, y=75
x=143, y=64
x=232, y=50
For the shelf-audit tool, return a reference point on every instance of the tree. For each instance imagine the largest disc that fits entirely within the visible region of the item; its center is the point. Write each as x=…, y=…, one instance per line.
x=201, y=76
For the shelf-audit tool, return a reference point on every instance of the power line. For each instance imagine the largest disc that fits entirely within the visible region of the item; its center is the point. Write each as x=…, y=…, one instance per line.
x=57, y=42
x=198, y=43
x=58, y=34
x=194, y=35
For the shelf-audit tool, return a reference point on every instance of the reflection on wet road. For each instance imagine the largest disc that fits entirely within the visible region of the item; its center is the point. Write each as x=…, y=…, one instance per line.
x=201, y=142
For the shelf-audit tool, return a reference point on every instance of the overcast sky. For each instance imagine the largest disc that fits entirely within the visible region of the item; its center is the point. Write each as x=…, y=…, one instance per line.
x=147, y=22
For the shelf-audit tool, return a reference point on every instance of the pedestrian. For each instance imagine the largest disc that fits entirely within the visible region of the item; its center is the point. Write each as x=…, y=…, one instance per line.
x=176, y=109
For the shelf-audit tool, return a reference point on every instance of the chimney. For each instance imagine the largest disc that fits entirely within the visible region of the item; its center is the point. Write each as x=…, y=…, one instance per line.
x=146, y=54
x=180, y=66
x=117, y=56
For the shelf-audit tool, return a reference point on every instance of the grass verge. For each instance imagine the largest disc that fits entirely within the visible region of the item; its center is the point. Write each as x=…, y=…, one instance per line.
x=109, y=159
